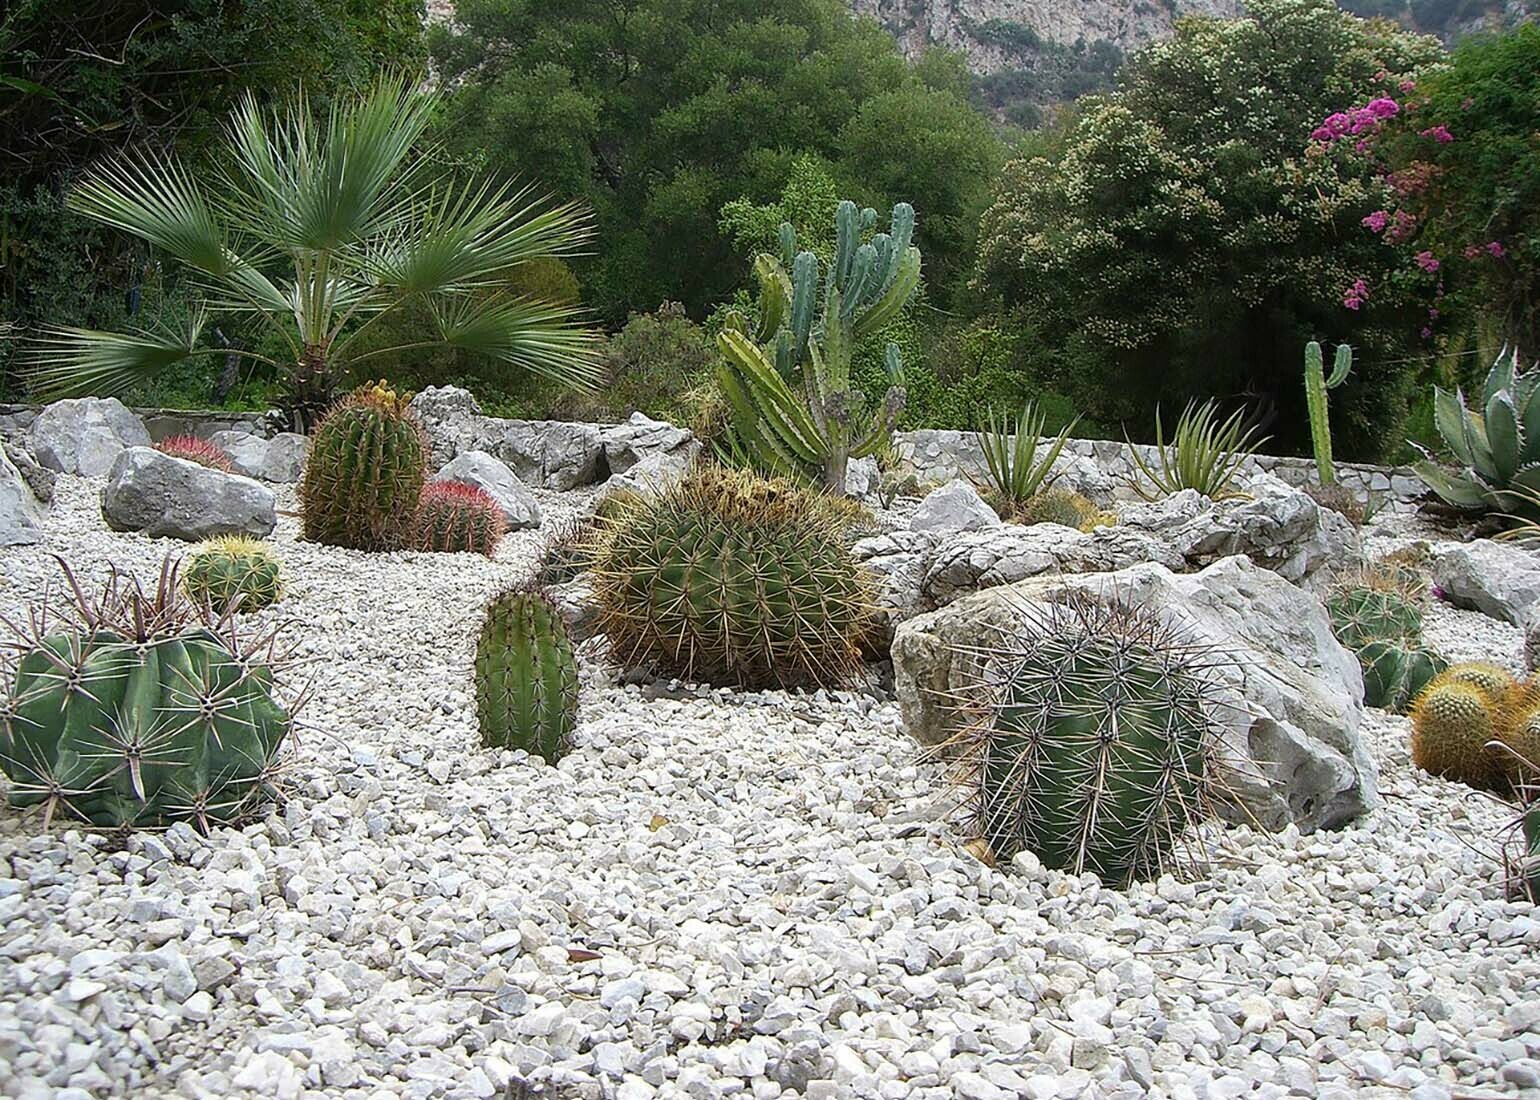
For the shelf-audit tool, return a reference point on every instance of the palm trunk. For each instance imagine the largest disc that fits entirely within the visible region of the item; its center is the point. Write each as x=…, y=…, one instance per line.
x=312, y=389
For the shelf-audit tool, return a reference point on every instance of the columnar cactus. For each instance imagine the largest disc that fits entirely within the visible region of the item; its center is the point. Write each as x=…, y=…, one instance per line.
x=733, y=580
x=196, y=450
x=134, y=713
x=365, y=472
x=526, y=676
x=234, y=572
x=1092, y=749
x=1316, y=385
x=459, y=519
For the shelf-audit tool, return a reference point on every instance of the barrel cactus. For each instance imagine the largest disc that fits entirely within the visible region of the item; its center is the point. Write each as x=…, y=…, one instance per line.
x=193, y=449
x=1456, y=718
x=364, y=473
x=1395, y=673
x=132, y=710
x=1062, y=506
x=459, y=519
x=1092, y=749
x=526, y=676
x=1495, y=444
x=734, y=580
x=233, y=571
x=1378, y=615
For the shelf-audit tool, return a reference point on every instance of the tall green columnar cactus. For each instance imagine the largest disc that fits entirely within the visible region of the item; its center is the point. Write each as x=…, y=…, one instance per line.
x=364, y=474
x=828, y=422
x=526, y=676
x=134, y=713
x=1092, y=750
x=1316, y=385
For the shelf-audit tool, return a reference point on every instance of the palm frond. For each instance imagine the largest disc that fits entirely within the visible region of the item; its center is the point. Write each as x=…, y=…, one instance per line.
x=70, y=361
x=156, y=200
x=534, y=335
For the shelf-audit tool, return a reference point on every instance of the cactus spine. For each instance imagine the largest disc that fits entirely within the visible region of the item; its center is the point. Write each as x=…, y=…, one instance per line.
x=1316, y=385
x=1092, y=750
x=1454, y=721
x=459, y=519
x=234, y=572
x=526, y=676
x=193, y=449
x=1378, y=615
x=365, y=473
x=1524, y=879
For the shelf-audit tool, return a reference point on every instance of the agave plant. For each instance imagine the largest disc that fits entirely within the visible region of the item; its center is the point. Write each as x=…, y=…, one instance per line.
x=1205, y=454
x=319, y=232
x=1015, y=471
x=1497, y=445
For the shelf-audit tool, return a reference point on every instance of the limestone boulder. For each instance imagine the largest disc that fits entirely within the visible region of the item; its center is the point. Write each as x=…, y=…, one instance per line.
x=85, y=435
x=165, y=497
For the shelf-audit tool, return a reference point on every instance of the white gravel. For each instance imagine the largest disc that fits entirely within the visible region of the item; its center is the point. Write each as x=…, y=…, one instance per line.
x=715, y=895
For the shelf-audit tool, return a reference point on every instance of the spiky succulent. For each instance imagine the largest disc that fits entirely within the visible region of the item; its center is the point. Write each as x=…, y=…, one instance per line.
x=1377, y=613
x=526, y=676
x=135, y=709
x=233, y=571
x=196, y=450
x=1091, y=749
x=459, y=519
x=1496, y=445
x=1361, y=614
x=1055, y=505
x=1455, y=719
x=364, y=474
x=1395, y=673
x=733, y=579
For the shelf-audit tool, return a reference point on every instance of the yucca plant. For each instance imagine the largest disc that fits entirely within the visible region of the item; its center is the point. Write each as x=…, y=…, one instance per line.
x=1205, y=454
x=1017, y=472
x=318, y=232
x=1497, y=445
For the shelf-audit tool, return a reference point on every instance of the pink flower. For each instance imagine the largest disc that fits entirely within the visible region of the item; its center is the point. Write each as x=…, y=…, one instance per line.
x=1384, y=107
x=1495, y=250
x=1439, y=134
x=1427, y=261
x=1356, y=295
x=1321, y=133
x=1427, y=333
x=1472, y=251
x=1405, y=225
x=1408, y=85
x=1376, y=221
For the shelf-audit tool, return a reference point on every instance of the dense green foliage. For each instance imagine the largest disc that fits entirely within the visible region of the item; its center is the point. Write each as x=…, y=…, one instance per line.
x=660, y=113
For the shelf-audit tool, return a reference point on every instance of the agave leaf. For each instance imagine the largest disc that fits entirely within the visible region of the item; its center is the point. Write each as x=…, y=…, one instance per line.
x=1500, y=377
x=1449, y=415
x=1504, y=436
x=1459, y=491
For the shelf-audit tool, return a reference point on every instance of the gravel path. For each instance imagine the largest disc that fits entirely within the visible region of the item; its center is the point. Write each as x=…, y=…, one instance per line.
x=715, y=895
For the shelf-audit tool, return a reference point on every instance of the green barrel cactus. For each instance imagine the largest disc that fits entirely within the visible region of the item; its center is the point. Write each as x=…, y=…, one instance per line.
x=134, y=714
x=526, y=676
x=234, y=572
x=1361, y=614
x=1092, y=751
x=1316, y=385
x=364, y=474
x=734, y=580
x=1395, y=674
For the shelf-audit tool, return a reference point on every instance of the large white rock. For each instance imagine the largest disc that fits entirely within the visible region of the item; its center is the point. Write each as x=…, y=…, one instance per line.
x=956, y=506
x=280, y=459
x=452, y=420
x=85, y=435
x=1292, y=695
x=167, y=497
x=21, y=516
x=550, y=453
x=493, y=477
x=1500, y=579
x=641, y=437
x=658, y=472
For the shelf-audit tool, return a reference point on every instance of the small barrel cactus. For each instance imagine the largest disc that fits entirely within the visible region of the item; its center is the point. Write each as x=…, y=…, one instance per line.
x=1362, y=614
x=1055, y=505
x=234, y=572
x=364, y=474
x=459, y=519
x=196, y=450
x=1092, y=749
x=133, y=712
x=526, y=676
x=1455, y=718
x=1395, y=673
x=1378, y=614
x=735, y=580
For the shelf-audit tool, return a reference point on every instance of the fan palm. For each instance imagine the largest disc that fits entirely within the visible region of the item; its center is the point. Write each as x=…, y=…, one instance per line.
x=319, y=233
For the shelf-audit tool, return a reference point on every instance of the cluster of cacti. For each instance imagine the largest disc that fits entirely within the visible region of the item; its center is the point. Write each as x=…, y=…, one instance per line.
x=1476, y=724
x=1092, y=748
x=458, y=519
x=232, y=572
x=196, y=450
x=526, y=676
x=736, y=580
x=1064, y=507
x=1316, y=385
x=1378, y=615
x=823, y=422
x=1496, y=444
x=134, y=710
x=364, y=473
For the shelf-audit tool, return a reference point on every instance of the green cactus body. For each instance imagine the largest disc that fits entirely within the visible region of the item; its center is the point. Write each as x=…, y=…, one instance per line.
x=1316, y=385
x=1395, y=674
x=1093, y=752
x=1360, y=615
x=233, y=572
x=526, y=676
x=733, y=580
x=121, y=733
x=364, y=474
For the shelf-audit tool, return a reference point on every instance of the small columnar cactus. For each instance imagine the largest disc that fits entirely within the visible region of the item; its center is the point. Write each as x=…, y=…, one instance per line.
x=734, y=580
x=1455, y=719
x=134, y=711
x=459, y=519
x=364, y=474
x=1316, y=385
x=526, y=676
x=193, y=449
x=234, y=572
x=1092, y=749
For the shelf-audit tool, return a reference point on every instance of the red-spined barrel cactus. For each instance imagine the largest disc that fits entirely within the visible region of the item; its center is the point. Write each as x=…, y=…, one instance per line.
x=364, y=473
x=458, y=519
x=196, y=450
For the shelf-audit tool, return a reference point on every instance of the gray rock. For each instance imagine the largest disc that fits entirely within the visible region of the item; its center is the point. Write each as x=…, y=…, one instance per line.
x=955, y=506
x=166, y=497
x=21, y=516
x=1500, y=579
x=1082, y=475
x=641, y=437
x=85, y=435
x=575, y=600
x=280, y=459
x=39, y=478
x=452, y=420
x=1290, y=748
x=493, y=477
x=863, y=478
x=657, y=472
x=548, y=453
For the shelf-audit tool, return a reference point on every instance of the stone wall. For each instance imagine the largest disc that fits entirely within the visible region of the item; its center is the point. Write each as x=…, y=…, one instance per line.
x=162, y=423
